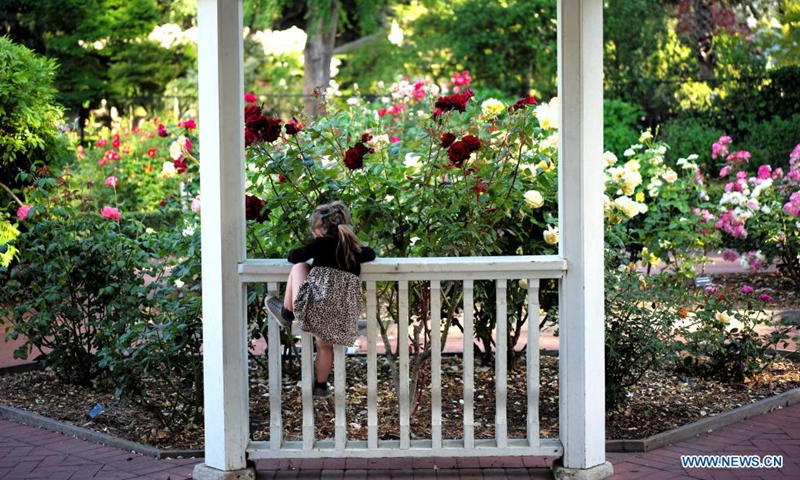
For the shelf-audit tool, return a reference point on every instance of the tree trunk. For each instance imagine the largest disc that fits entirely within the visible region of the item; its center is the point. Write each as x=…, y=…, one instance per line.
x=703, y=38
x=318, y=54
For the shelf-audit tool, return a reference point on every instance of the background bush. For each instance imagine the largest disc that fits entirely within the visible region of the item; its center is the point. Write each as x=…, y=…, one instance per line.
x=28, y=115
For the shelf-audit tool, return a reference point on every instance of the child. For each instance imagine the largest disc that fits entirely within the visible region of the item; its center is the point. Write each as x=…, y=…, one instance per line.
x=325, y=298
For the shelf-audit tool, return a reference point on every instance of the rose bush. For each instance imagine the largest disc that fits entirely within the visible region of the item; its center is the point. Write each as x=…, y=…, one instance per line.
x=757, y=214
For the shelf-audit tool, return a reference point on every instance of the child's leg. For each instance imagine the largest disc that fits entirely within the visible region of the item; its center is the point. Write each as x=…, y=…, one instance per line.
x=324, y=360
x=296, y=277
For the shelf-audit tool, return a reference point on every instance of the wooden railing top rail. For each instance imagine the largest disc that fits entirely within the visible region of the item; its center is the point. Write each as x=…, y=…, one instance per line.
x=425, y=268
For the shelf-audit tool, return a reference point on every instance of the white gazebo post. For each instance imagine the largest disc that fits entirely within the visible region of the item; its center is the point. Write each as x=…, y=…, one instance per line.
x=221, y=74
x=580, y=202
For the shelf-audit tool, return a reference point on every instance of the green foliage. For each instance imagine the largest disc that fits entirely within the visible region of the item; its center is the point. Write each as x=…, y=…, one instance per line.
x=101, y=47
x=160, y=352
x=691, y=134
x=621, y=124
x=639, y=333
x=28, y=113
x=147, y=184
x=769, y=140
x=510, y=46
x=639, y=53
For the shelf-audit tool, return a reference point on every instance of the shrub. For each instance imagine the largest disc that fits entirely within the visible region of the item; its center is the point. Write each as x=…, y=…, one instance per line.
x=689, y=134
x=28, y=113
x=759, y=215
x=639, y=328
x=78, y=286
x=620, y=124
x=720, y=334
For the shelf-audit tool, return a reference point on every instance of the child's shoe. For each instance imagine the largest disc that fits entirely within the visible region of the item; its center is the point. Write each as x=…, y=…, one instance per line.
x=283, y=316
x=322, y=390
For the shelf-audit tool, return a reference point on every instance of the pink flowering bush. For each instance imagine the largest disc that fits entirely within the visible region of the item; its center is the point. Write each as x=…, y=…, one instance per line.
x=728, y=334
x=758, y=214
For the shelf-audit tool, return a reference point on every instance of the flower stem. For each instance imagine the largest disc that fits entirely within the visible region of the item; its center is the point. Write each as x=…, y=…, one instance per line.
x=16, y=199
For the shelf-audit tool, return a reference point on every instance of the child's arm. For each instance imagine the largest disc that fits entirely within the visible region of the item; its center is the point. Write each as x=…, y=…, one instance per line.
x=302, y=254
x=366, y=255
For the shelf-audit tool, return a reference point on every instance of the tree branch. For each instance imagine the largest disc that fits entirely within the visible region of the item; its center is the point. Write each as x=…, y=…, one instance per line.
x=357, y=43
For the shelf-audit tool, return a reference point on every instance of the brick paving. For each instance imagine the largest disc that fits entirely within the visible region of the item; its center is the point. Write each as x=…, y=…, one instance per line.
x=31, y=453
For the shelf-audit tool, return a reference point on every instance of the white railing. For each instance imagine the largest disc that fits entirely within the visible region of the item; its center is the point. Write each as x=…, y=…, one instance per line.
x=402, y=271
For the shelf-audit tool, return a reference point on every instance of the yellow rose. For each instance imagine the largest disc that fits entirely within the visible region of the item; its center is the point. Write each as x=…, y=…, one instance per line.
x=640, y=197
x=551, y=235
x=534, y=198
x=722, y=317
x=492, y=107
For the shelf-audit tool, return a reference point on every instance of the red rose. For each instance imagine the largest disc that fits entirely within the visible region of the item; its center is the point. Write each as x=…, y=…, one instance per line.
x=458, y=154
x=480, y=186
x=259, y=128
x=255, y=209
x=162, y=130
x=250, y=98
x=447, y=140
x=293, y=127
x=115, y=141
x=180, y=167
x=366, y=137
x=189, y=124
x=523, y=102
x=471, y=142
x=354, y=157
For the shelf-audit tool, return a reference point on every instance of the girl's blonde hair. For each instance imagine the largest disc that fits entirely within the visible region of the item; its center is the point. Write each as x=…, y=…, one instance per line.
x=333, y=219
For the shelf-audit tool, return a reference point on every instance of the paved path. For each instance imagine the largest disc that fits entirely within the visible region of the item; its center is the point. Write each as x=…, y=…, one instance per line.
x=31, y=453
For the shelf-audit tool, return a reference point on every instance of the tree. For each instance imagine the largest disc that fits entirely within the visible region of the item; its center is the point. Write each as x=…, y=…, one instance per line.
x=327, y=23
x=510, y=45
x=101, y=46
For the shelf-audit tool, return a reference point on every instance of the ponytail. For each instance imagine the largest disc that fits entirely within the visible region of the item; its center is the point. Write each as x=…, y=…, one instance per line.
x=334, y=220
x=349, y=244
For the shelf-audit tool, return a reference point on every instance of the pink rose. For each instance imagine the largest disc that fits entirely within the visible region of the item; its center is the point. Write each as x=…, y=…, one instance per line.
x=110, y=213
x=250, y=98
x=765, y=297
x=746, y=289
x=112, y=182
x=22, y=212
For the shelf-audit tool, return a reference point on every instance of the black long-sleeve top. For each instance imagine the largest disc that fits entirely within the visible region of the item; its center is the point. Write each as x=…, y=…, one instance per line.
x=324, y=251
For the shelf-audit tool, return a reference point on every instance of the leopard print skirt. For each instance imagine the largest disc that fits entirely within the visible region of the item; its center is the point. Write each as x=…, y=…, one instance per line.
x=328, y=305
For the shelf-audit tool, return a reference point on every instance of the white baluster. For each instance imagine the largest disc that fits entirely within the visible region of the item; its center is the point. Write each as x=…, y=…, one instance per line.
x=275, y=383
x=436, y=365
x=372, y=365
x=340, y=388
x=500, y=367
x=532, y=365
x=469, y=366
x=402, y=345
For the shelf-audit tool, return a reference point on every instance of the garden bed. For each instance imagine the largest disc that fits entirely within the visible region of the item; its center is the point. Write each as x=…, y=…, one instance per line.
x=661, y=402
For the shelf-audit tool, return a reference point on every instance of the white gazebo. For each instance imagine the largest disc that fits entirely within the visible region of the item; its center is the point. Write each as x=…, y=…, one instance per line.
x=579, y=268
